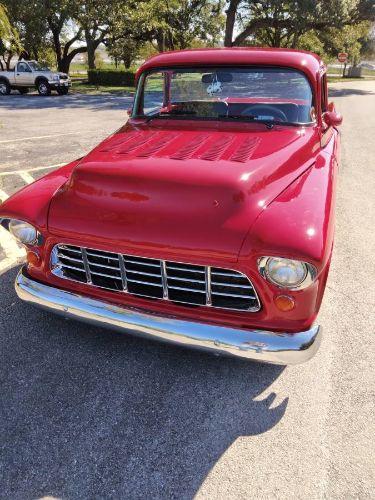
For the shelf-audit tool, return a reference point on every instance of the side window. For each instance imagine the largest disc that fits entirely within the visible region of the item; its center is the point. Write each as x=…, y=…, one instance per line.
x=153, y=93
x=23, y=68
x=324, y=102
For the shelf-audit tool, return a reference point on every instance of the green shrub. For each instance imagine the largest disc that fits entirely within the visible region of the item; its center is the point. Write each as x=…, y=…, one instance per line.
x=111, y=77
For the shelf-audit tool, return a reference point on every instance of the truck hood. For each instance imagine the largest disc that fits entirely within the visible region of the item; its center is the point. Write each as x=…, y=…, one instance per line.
x=170, y=189
x=50, y=74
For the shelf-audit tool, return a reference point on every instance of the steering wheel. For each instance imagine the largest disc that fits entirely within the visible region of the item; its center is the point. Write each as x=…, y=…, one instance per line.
x=266, y=110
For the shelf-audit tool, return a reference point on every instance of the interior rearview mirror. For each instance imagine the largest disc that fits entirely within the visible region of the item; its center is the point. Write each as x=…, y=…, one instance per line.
x=222, y=77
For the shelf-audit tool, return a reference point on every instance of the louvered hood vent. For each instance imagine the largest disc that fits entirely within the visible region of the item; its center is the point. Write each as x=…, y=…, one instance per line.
x=182, y=146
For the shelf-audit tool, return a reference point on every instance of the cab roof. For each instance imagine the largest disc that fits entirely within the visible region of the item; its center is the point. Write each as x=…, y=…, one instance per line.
x=304, y=61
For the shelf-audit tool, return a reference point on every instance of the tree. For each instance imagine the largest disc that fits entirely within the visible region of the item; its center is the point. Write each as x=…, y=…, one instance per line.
x=124, y=49
x=72, y=22
x=92, y=16
x=282, y=23
x=9, y=39
x=5, y=26
x=169, y=25
x=57, y=14
x=27, y=18
x=349, y=39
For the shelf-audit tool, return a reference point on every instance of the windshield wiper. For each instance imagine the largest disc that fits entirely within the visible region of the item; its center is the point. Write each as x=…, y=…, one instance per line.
x=268, y=123
x=161, y=114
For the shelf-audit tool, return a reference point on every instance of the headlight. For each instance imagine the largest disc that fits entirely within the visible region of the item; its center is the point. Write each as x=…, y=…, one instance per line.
x=56, y=77
x=23, y=232
x=287, y=273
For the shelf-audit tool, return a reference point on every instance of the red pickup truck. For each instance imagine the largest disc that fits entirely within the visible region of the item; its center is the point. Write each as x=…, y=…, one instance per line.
x=207, y=220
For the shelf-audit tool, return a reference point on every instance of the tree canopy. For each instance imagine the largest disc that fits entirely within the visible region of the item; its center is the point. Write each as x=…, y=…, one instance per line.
x=9, y=39
x=282, y=23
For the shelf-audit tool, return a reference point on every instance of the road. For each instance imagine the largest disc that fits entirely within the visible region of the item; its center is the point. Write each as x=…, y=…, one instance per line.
x=39, y=134
x=89, y=414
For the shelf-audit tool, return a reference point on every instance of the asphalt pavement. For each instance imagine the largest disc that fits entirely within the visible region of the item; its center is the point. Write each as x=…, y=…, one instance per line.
x=91, y=414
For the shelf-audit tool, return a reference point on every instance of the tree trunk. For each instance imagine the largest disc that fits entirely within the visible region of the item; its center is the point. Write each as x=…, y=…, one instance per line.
x=64, y=65
x=230, y=22
x=91, y=47
x=8, y=60
x=160, y=41
x=35, y=53
x=57, y=47
x=127, y=61
x=276, y=37
x=24, y=55
x=295, y=39
x=68, y=57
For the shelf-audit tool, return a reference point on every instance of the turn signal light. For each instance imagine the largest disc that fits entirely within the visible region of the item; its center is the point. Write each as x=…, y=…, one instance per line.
x=33, y=258
x=284, y=303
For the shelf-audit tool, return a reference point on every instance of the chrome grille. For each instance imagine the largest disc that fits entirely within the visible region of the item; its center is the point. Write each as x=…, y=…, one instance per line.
x=158, y=279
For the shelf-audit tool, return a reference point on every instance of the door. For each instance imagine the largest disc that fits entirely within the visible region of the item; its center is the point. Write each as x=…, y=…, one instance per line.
x=24, y=75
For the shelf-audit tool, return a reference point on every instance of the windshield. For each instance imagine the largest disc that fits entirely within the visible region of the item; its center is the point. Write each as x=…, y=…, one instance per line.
x=262, y=94
x=37, y=66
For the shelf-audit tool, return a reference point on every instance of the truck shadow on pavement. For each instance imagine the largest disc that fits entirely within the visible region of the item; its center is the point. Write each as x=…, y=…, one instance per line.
x=88, y=413
x=95, y=102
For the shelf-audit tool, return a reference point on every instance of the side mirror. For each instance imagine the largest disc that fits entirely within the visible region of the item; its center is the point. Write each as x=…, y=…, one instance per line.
x=129, y=111
x=332, y=118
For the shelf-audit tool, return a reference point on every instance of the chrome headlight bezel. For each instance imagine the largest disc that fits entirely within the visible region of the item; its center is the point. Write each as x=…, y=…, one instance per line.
x=309, y=272
x=31, y=235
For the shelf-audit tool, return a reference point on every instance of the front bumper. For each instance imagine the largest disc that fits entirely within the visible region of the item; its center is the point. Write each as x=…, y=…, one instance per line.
x=259, y=345
x=60, y=83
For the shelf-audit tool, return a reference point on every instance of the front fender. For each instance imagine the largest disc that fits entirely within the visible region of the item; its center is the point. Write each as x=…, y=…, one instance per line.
x=299, y=223
x=31, y=203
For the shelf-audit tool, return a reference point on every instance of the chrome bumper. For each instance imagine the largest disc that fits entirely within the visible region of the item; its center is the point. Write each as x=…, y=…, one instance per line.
x=64, y=83
x=259, y=345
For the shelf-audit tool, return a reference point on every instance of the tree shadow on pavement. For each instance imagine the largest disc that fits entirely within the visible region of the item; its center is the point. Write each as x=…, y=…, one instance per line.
x=88, y=413
x=335, y=92
x=71, y=101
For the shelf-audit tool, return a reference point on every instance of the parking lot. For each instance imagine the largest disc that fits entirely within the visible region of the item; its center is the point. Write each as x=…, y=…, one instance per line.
x=87, y=413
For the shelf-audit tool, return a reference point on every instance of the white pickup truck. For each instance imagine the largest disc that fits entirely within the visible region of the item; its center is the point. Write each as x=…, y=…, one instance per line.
x=28, y=74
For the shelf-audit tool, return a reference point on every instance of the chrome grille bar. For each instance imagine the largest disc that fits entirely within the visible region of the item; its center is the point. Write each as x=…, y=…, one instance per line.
x=128, y=261
x=164, y=279
x=123, y=272
x=186, y=289
x=208, y=285
x=86, y=264
x=189, y=284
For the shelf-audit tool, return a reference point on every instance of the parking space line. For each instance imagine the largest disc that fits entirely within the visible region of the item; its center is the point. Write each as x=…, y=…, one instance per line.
x=8, y=141
x=13, y=253
x=35, y=169
x=26, y=177
x=3, y=195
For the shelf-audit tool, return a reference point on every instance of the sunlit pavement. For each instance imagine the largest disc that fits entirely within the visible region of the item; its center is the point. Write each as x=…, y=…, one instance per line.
x=87, y=413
